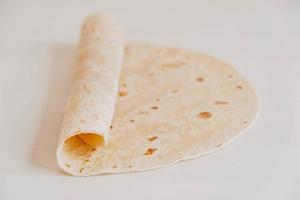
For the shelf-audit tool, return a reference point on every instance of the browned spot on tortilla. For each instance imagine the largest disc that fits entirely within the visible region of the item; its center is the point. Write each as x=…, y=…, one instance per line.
x=93, y=149
x=204, y=115
x=239, y=87
x=221, y=102
x=132, y=120
x=82, y=121
x=87, y=160
x=154, y=107
x=86, y=88
x=130, y=166
x=124, y=85
x=152, y=138
x=173, y=65
x=219, y=145
x=229, y=76
x=122, y=93
x=150, y=151
x=115, y=166
x=111, y=127
x=81, y=170
x=174, y=91
x=200, y=79
x=143, y=112
x=245, y=122
x=157, y=99
x=67, y=165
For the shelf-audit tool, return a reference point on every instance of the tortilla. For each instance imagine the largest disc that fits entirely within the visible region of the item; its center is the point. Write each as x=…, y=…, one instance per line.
x=173, y=104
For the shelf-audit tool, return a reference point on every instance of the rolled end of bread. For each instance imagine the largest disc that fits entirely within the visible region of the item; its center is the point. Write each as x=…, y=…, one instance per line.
x=90, y=107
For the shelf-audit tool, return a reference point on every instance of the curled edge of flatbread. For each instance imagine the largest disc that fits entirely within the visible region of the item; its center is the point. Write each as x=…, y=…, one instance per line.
x=91, y=103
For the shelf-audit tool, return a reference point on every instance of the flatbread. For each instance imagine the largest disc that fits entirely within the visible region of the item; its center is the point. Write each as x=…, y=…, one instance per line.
x=173, y=104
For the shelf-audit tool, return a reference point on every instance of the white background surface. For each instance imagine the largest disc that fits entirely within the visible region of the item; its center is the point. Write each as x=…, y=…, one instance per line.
x=261, y=39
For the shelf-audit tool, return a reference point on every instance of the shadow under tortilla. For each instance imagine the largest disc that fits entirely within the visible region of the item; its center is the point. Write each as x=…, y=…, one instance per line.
x=60, y=70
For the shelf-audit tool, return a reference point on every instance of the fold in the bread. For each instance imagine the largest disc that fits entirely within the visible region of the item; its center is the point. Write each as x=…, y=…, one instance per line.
x=92, y=100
